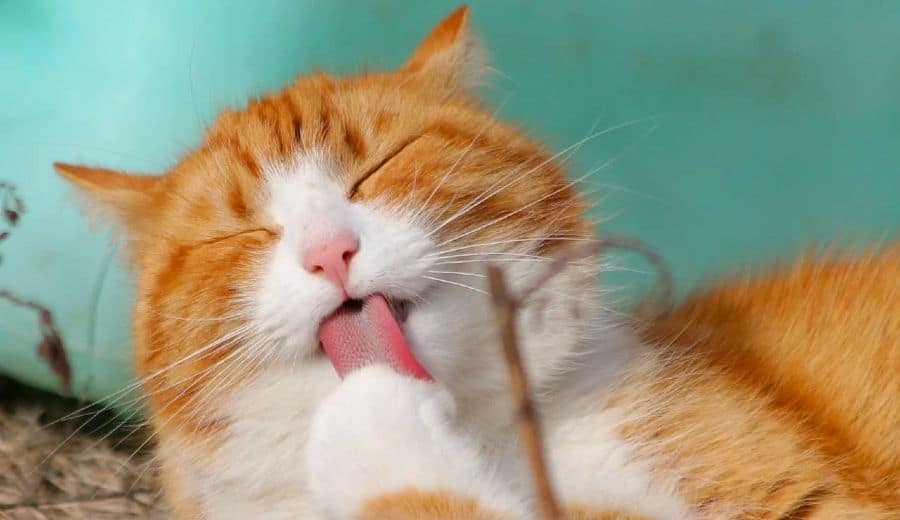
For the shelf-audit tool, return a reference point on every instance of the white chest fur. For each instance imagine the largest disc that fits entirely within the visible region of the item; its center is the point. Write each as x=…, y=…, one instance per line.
x=258, y=471
x=593, y=466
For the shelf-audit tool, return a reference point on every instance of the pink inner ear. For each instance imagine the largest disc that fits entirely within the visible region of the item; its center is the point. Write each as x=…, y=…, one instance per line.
x=359, y=335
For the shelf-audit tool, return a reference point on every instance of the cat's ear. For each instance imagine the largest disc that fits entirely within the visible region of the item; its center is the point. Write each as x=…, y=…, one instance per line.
x=450, y=55
x=126, y=197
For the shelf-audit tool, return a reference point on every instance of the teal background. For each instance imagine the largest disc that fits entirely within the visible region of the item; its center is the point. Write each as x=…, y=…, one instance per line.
x=773, y=124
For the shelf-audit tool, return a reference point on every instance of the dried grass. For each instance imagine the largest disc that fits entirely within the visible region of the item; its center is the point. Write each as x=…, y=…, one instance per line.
x=84, y=477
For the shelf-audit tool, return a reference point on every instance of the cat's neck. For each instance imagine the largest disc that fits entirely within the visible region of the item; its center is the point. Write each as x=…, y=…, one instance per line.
x=586, y=370
x=597, y=365
x=592, y=367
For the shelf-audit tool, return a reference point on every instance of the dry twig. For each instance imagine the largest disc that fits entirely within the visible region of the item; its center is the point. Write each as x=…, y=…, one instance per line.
x=51, y=347
x=133, y=496
x=506, y=307
x=11, y=209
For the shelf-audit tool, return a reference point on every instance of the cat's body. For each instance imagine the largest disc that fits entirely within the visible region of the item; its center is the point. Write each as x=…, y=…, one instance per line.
x=691, y=426
x=775, y=398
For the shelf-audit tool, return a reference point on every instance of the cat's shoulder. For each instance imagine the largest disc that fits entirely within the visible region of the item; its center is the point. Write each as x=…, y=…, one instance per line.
x=821, y=334
x=822, y=301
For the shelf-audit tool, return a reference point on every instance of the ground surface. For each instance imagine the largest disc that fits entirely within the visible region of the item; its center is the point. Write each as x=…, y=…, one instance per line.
x=49, y=471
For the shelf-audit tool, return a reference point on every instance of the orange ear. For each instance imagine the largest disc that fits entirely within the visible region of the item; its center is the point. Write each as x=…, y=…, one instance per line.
x=125, y=195
x=450, y=54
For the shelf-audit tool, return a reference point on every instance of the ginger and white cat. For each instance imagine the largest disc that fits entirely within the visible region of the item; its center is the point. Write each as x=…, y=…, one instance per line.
x=773, y=398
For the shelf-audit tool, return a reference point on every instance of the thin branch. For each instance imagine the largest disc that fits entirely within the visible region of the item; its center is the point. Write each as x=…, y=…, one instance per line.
x=664, y=287
x=11, y=205
x=51, y=348
x=505, y=308
x=15, y=300
x=11, y=209
x=558, y=263
x=83, y=500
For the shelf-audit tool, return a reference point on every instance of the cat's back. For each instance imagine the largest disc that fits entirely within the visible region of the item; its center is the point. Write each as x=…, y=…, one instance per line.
x=785, y=386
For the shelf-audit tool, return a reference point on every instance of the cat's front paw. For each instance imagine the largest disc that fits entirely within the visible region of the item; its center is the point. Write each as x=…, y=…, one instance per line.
x=381, y=432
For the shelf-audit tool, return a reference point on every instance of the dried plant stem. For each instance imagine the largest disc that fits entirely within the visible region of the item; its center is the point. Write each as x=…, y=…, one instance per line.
x=559, y=263
x=505, y=308
x=15, y=300
x=129, y=495
x=51, y=347
x=664, y=288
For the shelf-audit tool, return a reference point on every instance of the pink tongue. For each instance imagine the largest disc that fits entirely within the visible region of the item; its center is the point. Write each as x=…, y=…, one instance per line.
x=354, y=337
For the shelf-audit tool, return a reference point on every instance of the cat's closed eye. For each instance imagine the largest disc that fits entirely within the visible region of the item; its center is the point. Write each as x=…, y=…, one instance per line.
x=270, y=232
x=351, y=194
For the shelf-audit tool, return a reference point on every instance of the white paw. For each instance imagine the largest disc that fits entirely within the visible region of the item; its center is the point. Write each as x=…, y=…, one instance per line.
x=381, y=432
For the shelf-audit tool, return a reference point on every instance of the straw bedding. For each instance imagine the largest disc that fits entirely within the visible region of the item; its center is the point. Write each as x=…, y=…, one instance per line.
x=49, y=471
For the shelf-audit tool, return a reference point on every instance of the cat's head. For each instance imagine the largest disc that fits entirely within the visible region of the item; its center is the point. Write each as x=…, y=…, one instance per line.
x=398, y=183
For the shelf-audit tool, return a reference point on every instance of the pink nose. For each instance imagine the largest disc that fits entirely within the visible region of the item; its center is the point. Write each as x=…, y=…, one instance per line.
x=332, y=257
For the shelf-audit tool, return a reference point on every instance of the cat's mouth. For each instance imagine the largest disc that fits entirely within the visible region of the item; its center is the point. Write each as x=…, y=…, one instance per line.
x=368, y=331
x=399, y=308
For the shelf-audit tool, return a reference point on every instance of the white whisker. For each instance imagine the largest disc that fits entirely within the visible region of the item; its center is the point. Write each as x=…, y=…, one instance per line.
x=133, y=386
x=459, y=159
x=548, y=238
x=538, y=200
x=476, y=275
x=571, y=148
x=464, y=286
x=480, y=255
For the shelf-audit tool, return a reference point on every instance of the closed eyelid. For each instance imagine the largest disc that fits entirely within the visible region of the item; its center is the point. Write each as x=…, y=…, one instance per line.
x=381, y=164
x=270, y=231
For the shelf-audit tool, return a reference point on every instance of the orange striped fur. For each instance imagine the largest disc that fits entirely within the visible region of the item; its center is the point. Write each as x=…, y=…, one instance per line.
x=432, y=505
x=772, y=397
x=802, y=361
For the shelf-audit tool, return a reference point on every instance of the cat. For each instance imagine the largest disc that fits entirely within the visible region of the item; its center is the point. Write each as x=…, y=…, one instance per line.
x=772, y=397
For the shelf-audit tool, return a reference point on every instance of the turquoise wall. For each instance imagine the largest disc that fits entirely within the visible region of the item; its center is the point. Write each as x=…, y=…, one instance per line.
x=770, y=127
